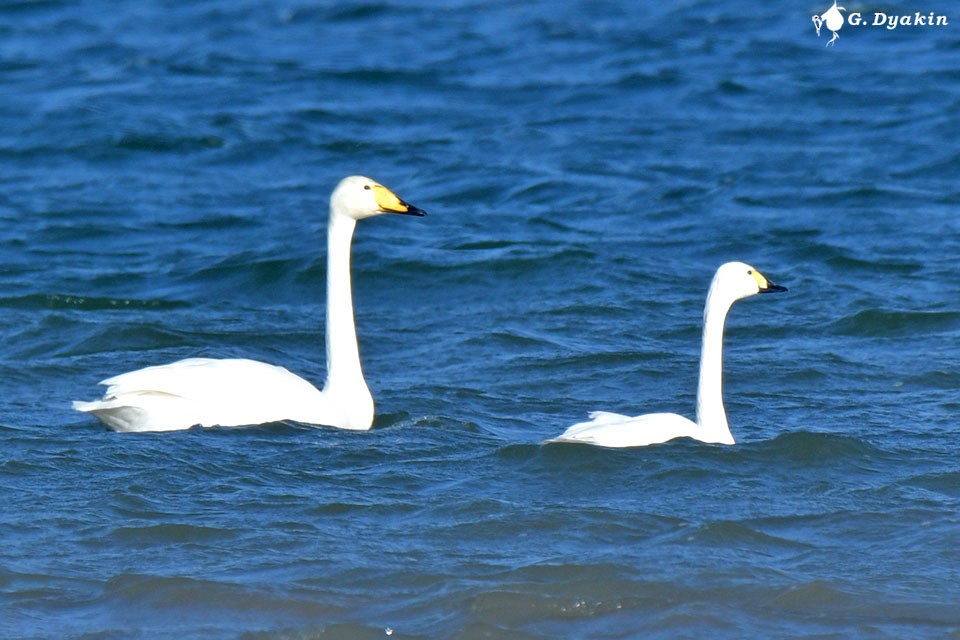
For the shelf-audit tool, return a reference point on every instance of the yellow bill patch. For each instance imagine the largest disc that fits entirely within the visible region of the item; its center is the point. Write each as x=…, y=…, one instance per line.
x=388, y=201
x=761, y=281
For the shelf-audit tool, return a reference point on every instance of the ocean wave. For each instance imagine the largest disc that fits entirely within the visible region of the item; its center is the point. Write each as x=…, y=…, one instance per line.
x=725, y=534
x=816, y=447
x=168, y=142
x=58, y=301
x=877, y=323
x=168, y=533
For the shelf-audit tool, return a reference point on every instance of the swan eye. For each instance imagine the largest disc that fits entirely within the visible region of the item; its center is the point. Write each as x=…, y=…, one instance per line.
x=749, y=272
x=367, y=187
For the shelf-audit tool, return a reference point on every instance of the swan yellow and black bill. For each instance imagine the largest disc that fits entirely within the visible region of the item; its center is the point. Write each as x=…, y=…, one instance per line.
x=389, y=202
x=764, y=285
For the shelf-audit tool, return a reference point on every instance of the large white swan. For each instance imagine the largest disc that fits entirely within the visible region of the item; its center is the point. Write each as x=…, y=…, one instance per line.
x=235, y=392
x=733, y=281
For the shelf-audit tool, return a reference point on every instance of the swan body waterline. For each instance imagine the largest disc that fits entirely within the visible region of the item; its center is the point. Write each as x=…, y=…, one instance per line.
x=732, y=281
x=237, y=392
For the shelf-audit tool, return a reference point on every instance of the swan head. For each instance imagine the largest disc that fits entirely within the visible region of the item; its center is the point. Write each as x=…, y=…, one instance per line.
x=739, y=280
x=359, y=197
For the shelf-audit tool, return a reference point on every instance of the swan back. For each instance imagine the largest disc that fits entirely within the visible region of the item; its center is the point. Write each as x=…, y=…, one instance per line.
x=210, y=392
x=605, y=429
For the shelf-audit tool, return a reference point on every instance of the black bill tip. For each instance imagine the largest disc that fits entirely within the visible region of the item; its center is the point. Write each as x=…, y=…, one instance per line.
x=773, y=288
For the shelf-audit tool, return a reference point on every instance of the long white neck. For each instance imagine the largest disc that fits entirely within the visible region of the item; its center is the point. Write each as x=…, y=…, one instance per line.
x=343, y=354
x=711, y=416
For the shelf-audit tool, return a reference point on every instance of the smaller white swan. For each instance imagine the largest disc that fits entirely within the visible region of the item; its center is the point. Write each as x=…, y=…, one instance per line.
x=733, y=281
x=236, y=392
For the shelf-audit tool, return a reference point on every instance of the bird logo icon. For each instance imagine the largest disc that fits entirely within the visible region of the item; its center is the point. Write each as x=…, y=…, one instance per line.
x=833, y=19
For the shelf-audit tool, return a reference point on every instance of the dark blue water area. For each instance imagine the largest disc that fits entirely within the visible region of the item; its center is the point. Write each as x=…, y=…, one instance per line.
x=165, y=170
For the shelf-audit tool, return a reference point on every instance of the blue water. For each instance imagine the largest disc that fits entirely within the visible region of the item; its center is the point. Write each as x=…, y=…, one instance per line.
x=165, y=170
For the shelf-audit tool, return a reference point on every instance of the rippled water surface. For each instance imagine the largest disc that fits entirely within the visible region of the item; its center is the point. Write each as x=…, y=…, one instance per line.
x=165, y=170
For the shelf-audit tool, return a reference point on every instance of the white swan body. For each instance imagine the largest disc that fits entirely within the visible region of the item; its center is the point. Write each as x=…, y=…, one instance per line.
x=210, y=392
x=237, y=392
x=732, y=281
